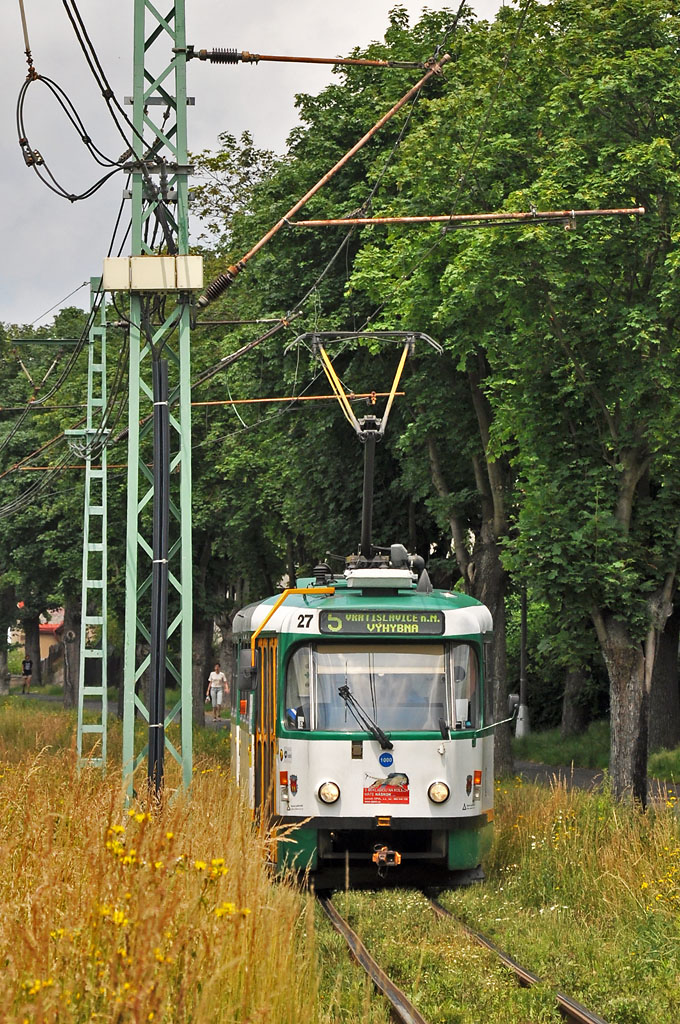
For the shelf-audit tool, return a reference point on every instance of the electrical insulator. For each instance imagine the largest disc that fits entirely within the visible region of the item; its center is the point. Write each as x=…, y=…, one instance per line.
x=216, y=287
x=224, y=56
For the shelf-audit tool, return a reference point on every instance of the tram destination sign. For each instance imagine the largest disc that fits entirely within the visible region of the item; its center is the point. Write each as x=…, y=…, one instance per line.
x=382, y=623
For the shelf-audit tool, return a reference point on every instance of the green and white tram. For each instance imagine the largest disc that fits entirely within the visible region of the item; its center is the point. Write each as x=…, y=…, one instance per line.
x=359, y=717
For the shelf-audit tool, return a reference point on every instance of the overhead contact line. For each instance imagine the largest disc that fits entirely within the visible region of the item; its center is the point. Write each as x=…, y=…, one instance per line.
x=463, y=220
x=222, y=282
x=220, y=55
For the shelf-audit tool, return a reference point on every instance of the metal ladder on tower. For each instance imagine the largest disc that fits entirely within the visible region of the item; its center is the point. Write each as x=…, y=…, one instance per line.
x=93, y=632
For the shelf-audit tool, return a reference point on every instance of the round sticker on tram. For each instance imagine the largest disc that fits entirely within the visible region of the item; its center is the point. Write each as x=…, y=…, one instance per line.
x=386, y=760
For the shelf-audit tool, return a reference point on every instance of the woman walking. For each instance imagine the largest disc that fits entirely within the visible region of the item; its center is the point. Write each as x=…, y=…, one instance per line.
x=216, y=684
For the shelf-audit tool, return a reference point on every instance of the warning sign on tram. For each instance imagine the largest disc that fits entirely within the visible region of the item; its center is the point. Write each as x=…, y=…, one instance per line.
x=382, y=623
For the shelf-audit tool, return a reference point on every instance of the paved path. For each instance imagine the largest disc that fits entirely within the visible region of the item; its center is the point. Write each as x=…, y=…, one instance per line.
x=582, y=778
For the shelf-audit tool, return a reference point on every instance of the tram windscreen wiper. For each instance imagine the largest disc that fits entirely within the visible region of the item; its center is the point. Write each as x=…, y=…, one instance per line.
x=364, y=720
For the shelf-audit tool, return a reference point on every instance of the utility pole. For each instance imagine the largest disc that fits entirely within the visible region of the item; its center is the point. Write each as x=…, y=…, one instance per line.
x=158, y=560
x=522, y=727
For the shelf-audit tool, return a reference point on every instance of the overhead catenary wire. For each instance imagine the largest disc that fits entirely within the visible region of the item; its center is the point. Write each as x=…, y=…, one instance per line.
x=37, y=403
x=295, y=310
x=436, y=66
x=216, y=287
x=502, y=218
x=451, y=29
x=216, y=368
x=98, y=73
x=220, y=55
x=34, y=159
x=58, y=304
x=463, y=177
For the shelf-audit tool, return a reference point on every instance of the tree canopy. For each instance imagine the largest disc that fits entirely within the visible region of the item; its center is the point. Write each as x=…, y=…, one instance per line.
x=540, y=448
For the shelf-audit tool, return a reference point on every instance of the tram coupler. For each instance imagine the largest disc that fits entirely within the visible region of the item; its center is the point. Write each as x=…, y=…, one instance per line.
x=386, y=858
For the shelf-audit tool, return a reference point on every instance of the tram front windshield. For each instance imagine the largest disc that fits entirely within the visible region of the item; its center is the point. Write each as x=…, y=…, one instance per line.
x=401, y=687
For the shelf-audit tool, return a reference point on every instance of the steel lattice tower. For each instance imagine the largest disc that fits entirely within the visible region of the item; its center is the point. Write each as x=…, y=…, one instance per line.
x=158, y=553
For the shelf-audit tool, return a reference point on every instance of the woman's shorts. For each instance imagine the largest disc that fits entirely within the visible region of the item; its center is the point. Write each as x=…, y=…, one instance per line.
x=217, y=694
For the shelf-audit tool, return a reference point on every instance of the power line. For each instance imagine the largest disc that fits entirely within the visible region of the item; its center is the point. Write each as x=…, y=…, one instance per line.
x=216, y=287
x=97, y=70
x=463, y=178
x=34, y=159
x=61, y=301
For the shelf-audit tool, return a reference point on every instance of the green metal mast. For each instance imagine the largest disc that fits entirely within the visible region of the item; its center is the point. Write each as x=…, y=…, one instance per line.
x=158, y=571
x=93, y=633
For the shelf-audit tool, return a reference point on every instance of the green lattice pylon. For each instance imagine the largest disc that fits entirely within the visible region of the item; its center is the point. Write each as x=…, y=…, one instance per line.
x=160, y=328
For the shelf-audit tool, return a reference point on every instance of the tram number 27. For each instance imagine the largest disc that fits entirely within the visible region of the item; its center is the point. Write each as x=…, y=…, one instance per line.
x=304, y=621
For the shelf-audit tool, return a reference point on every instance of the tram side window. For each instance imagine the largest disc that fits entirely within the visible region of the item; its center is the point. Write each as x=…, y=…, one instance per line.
x=297, y=689
x=465, y=674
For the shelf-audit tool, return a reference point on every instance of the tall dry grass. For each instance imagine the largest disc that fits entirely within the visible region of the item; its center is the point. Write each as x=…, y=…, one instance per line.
x=599, y=853
x=146, y=915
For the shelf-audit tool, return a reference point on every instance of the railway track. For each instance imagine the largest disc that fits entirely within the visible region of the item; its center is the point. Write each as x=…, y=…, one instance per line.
x=403, y=1010
x=572, y=1011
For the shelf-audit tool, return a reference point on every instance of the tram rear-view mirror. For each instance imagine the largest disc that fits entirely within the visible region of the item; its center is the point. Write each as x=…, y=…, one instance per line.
x=513, y=703
x=247, y=672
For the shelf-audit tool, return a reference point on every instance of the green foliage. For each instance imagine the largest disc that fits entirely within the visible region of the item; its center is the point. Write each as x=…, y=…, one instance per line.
x=665, y=764
x=588, y=750
x=575, y=880
x=561, y=352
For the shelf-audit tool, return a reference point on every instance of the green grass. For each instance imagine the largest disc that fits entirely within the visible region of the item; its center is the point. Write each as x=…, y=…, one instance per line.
x=582, y=890
x=586, y=893
x=447, y=976
x=589, y=750
x=665, y=764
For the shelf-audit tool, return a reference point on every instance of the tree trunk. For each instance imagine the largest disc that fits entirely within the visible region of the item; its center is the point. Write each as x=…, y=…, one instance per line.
x=4, y=670
x=71, y=644
x=32, y=646
x=664, y=702
x=290, y=559
x=573, y=712
x=201, y=658
x=488, y=582
x=629, y=708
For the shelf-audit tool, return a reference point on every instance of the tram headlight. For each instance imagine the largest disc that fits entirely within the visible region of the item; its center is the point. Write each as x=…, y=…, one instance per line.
x=329, y=792
x=438, y=792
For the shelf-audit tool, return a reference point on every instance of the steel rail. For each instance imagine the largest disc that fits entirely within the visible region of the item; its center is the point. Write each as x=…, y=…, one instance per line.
x=573, y=1011
x=402, y=1009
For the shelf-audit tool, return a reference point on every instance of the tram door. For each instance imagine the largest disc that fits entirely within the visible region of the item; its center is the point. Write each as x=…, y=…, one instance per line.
x=265, y=729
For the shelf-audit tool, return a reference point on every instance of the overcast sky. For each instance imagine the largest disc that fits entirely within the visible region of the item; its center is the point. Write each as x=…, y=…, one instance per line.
x=51, y=246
